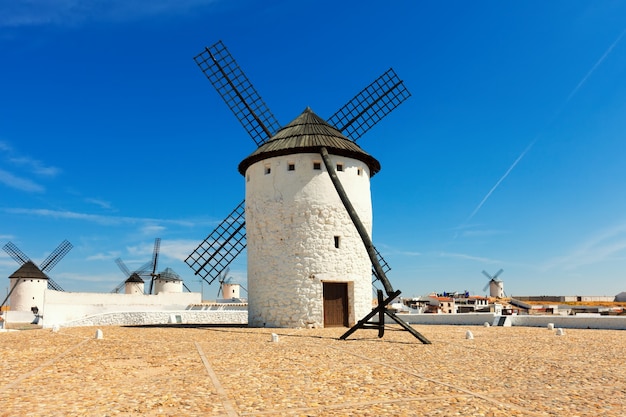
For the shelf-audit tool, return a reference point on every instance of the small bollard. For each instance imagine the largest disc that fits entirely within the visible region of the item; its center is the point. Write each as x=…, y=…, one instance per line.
x=99, y=334
x=274, y=337
x=550, y=326
x=469, y=335
x=486, y=324
x=560, y=332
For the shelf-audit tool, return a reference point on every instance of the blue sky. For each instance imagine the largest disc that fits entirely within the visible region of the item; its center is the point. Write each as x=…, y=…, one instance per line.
x=509, y=154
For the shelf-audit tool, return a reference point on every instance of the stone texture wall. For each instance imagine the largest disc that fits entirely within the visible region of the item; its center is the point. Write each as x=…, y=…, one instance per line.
x=292, y=219
x=28, y=293
x=61, y=307
x=130, y=318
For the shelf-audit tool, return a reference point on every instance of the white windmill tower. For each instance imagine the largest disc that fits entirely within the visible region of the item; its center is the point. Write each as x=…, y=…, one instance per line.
x=496, y=286
x=307, y=216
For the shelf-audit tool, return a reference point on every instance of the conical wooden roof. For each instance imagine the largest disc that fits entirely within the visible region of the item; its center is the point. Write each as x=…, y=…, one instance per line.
x=29, y=271
x=308, y=133
x=168, y=274
x=134, y=277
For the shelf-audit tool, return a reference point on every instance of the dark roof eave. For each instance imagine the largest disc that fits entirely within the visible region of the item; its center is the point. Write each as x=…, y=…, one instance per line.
x=371, y=162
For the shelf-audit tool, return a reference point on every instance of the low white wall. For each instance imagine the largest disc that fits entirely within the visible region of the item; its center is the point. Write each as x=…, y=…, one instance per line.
x=61, y=307
x=467, y=319
x=479, y=319
x=130, y=318
x=572, y=322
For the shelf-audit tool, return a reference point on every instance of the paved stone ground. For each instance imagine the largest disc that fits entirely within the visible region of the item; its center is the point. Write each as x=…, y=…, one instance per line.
x=205, y=371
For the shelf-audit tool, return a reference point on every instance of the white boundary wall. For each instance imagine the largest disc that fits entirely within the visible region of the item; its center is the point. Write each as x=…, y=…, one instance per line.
x=62, y=307
x=133, y=318
x=479, y=319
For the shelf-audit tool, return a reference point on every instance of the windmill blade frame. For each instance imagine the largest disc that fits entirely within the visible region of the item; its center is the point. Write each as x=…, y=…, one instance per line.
x=155, y=258
x=56, y=255
x=219, y=66
x=15, y=253
x=370, y=105
x=123, y=267
x=221, y=247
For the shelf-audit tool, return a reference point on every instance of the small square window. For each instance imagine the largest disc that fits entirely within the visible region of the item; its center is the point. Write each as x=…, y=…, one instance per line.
x=291, y=166
x=268, y=170
x=337, y=240
x=317, y=165
x=339, y=167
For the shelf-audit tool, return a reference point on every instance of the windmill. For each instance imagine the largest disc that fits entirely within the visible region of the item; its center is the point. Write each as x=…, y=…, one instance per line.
x=496, y=286
x=340, y=132
x=38, y=274
x=223, y=279
x=148, y=269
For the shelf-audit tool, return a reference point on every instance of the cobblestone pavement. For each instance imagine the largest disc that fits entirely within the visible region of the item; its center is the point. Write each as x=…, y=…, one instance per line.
x=229, y=371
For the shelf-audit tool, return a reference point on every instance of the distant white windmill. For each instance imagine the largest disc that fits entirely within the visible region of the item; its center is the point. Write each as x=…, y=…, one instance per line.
x=496, y=286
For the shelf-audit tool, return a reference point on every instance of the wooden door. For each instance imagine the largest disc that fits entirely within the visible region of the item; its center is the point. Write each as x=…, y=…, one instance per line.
x=335, y=304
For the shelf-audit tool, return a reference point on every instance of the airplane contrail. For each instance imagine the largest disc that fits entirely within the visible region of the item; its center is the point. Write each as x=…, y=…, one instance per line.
x=592, y=70
x=506, y=174
x=569, y=97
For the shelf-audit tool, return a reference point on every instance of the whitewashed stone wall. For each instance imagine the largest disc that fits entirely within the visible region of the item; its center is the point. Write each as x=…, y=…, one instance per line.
x=477, y=319
x=61, y=307
x=135, y=318
x=164, y=285
x=28, y=293
x=292, y=217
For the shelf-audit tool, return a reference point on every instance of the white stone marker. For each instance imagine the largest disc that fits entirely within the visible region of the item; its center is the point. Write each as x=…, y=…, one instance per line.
x=469, y=335
x=99, y=334
x=274, y=337
x=560, y=332
x=550, y=326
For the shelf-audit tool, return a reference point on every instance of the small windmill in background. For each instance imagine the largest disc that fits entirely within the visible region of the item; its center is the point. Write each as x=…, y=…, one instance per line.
x=222, y=278
x=229, y=290
x=496, y=286
x=29, y=282
x=48, y=263
x=135, y=277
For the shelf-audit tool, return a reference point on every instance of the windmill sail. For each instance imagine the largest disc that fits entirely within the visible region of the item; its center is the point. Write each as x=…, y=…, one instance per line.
x=240, y=96
x=48, y=263
x=55, y=256
x=221, y=247
x=15, y=253
x=368, y=107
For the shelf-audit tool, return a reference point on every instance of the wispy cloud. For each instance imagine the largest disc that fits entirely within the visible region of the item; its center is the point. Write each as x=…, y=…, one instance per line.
x=22, y=184
x=172, y=249
x=482, y=233
x=100, y=203
x=468, y=257
x=18, y=13
x=35, y=166
x=606, y=245
x=103, y=256
x=96, y=218
x=28, y=166
x=152, y=229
